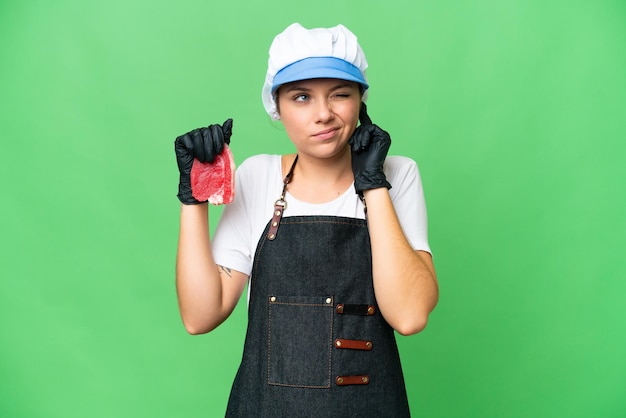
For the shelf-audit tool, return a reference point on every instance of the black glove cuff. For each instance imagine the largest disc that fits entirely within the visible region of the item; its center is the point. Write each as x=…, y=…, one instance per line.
x=185, y=195
x=367, y=180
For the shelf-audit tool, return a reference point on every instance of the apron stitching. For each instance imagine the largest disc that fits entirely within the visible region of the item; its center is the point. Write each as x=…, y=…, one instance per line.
x=269, y=343
x=304, y=222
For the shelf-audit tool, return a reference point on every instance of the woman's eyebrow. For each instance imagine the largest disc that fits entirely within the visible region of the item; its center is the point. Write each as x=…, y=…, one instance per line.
x=342, y=85
x=297, y=87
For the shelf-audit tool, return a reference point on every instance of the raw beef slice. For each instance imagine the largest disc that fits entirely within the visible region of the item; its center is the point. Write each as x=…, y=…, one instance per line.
x=214, y=181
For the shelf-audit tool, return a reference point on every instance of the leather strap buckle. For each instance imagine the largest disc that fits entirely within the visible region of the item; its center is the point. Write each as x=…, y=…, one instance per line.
x=352, y=380
x=355, y=309
x=279, y=208
x=353, y=344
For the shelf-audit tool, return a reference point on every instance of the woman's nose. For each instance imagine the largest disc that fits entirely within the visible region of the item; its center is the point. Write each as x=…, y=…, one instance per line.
x=324, y=111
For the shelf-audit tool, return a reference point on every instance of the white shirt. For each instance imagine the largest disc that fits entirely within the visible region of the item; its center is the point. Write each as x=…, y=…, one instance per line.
x=259, y=183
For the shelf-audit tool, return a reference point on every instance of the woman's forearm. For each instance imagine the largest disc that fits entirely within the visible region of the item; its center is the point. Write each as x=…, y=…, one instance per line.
x=405, y=282
x=204, y=299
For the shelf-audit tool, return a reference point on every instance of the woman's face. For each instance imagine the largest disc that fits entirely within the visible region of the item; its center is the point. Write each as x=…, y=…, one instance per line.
x=319, y=115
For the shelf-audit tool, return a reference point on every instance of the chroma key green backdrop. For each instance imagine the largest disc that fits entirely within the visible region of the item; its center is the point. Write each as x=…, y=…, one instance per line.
x=514, y=109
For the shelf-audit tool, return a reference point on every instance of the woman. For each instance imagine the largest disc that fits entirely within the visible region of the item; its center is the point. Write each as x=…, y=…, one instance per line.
x=332, y=240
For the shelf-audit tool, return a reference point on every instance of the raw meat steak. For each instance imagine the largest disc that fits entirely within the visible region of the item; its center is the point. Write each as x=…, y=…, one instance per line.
x=214, y=181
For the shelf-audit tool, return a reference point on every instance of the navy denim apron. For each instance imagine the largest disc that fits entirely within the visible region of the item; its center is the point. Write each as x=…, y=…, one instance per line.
x=316, y=343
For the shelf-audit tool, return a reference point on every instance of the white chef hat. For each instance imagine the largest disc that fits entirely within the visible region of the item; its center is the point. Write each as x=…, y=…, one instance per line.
x=300, y=54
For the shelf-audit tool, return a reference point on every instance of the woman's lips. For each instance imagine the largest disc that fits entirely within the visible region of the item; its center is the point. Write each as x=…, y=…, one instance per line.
x=325, y=134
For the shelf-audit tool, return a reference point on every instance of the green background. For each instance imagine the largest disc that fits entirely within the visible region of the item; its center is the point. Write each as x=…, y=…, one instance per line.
x=514, y=110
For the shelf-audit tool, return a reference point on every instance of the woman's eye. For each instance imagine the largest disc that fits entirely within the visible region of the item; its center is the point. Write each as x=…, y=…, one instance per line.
x=300, y=98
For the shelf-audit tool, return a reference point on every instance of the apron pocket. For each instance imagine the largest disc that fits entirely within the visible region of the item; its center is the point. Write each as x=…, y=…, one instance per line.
x=300, y=331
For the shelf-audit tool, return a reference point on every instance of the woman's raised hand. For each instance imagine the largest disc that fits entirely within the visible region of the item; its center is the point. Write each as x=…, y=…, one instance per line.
x=203, y=144
x=369, y=145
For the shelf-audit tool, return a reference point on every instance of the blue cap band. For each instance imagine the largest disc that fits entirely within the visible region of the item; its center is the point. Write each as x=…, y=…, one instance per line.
x=318, y=67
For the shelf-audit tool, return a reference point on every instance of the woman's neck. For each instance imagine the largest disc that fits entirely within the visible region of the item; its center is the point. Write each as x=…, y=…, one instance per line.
x=318, y=180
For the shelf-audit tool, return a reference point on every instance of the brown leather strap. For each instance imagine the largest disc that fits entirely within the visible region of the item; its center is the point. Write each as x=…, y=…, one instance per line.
x=355, y=309
x=279, y=207
x=281, y=204
x=353, y=344
x=362, y=379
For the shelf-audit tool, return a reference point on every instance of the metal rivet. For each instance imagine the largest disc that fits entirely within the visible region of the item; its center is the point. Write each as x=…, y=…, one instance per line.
x=340, y=308
x=368, y=344
x=329, y=300
x=277, y=213
x=340, y=380
x=274, y=223
x=272, y=236
x=364, y=379
x=370, y=310
x=273, y=299
x=338, y=343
